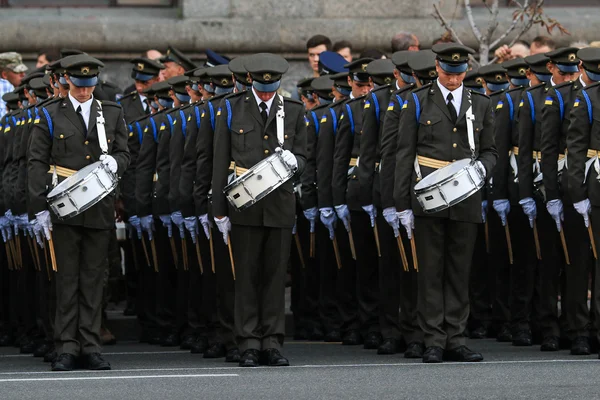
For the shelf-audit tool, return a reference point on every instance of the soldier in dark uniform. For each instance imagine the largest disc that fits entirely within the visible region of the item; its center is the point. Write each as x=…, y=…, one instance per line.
x=260, y=235
x=555, y=123
x=583, y=145
x=65, y=135
x=434, y=131
x=532, y=201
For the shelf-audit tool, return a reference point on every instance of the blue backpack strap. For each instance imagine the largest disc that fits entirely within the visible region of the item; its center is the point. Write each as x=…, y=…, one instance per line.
x=212, y=115
x=316, y=121
x=183, y=122
x=170, y=123
x=376, y=104
x=417, y=107
x=511, y=106
x=350, y=118
x=154, y=132
x=334, y=120
x=561, y=104
x=589, y=105
x=29, y=113
x=139, y=131
x=14, y=121
x=400, y=102
x=197, y=110
x=228, y=105
x=49, y=120
x=532, y=106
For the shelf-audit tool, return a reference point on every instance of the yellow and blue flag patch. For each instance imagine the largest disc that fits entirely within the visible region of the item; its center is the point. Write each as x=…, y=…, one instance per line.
x=405, y=105
x=548, y=101
x=219, y=111
x=521, y=103
x=499, y=105
x=576, y=104
x=324, y=118
x=390, y=106
x=367, y=104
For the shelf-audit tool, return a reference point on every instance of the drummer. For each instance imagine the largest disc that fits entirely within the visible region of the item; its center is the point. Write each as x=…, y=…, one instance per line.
x=246, y=132
x=65, y=134
x=434, y=131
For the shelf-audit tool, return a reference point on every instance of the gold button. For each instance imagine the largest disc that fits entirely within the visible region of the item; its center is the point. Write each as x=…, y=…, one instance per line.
x=353, y=176
x=266, y=151
x=418, y=179
x=86, y=142
x=477, y=129
x=266, y=137
x=454, y=160
x=62, y=136
x=241, y=131
x=285, y=137
x=131, y=134
x=108, y=140
x=88, y=157
x=453, y=129
x=454, y=145
x=428, y=122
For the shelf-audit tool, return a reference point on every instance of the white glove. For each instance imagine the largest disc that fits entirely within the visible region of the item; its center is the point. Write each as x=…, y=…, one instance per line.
x=391, y=216
x=372, y=211
x=502, y=207
x=311, y=216
x=584, y=208
x=10, y=219
x=407, y=219
x=136, y=225
x=37, y=231
x=147, y=224
x=224, y=226
x=344, y=214
x=110, y=162
x=555, y=209
x=483, y=210
x=289, y=158
x=166, y=221
x=43, y=219
x=328, y=219
x=177, y=219
x=205, y=224
x=23, y=222
x=191, y=224
x=480, y=164
x=5, y=228
x=529, y=208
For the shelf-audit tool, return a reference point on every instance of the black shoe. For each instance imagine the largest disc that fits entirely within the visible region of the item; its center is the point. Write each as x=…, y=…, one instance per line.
x=233, y=355
x=594, y=344
x=186, y=343
x=372, y=341
x=171, y=340
x=250, y=358
x=199, y=346
x=581, y=346
x=6, y=339
x=300, y=334
x=215, y=350
x=50, y=356
x=550, y=343
x=389, y=346
x=504, y=335
x=27, y=346
x=95, y=362
x=521, y=338
x=462, y=354
x=64, y=362
x=333, y=336
x=316, y=334
x=433, y=354
x=478, y=333
x=273, y=358
x=43, y=348
x=414, y=350
x=352, y=338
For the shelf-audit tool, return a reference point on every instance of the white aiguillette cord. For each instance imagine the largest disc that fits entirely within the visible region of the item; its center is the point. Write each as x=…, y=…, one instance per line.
x=280, y=121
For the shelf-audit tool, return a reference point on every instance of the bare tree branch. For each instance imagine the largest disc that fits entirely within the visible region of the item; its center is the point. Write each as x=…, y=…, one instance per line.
x=438, y=15
x=474, y=27
x=493, y=23
x=512, y=26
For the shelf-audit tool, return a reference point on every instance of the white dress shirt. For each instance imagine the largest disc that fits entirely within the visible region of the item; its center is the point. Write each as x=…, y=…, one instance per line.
x=143, y=100
x=86, y=108
x=582, y=82
x=269, y=103
x=456, y=96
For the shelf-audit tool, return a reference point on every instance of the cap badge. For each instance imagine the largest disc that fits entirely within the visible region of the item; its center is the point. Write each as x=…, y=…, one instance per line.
x=224, y=81
x=364, y=67
x=249, y=80
x=498, y=77
x=572, y=57
x=479, y=80
x=168, y=51
x=388, y=80
x=85, y=70
x=267, y=77
x=432, y=73
x=140, y=66
x=522, y=71
x=455, y=57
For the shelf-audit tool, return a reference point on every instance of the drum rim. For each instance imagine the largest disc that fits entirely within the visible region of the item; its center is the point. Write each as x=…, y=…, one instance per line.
x=447, y=179
x=50, y=197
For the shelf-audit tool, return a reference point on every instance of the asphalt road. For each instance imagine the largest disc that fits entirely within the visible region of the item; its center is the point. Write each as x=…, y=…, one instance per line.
x=318, y=371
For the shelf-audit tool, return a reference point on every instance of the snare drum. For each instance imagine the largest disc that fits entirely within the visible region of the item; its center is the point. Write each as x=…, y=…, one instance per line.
x=449, y=185
x=258, y=182
x=82, y=190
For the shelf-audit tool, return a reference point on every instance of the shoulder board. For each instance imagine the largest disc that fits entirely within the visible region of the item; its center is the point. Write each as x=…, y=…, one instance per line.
x=536, y=87
x=290, y=100
x=381, y=88
x=320, y=107
x=404, y=89
x=109, y=103
x=481, y=94
x=564, y=84
x=423, y=88
x=218, y=97
x=592, y=85
x=236, y=94
x=128, y=95
x=354, y=100
x=143, y=117
x=517, y=89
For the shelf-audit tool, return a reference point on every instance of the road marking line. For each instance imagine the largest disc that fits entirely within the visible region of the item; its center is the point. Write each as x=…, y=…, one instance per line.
x=83, y=378
x=126, y=353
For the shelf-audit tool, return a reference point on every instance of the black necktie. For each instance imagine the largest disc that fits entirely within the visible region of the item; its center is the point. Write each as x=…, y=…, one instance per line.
x=263, y=113
x=451, y=108
x=81, y=120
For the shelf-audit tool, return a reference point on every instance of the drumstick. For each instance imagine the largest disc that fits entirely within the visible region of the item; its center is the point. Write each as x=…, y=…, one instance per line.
x=564, y=245
x=299, y=248
x=377, y=240
x=508, y=243
x=15, y=255
x=185, y=254
x=174, y=251
x=414, y=253
x=402, y=253
x=352, y=248
x=592, y=242
x=336, y=251
x=18, y=246
x=212, y=250
x=145, y=251
x=52, y=254
x=37, y=257
x=487, y=238
x=312, y=245
x=154, y=256
x=231, y=257
x=46, y=259
x=199, y=256
x=536, y=239
x=9, y=256
x=35, y=263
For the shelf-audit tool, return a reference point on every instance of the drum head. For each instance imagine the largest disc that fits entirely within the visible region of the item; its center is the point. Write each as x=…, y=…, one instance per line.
x=442, y=174
x=73, y=179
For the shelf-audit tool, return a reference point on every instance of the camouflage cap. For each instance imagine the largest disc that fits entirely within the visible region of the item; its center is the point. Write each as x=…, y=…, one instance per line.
x=12, y=61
